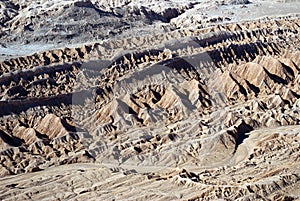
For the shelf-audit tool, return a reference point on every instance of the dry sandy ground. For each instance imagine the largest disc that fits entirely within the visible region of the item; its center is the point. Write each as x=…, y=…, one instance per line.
x=155, y=100
x=275, y=177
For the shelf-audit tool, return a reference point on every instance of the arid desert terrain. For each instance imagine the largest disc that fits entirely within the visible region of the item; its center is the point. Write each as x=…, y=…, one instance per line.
x=149, y=100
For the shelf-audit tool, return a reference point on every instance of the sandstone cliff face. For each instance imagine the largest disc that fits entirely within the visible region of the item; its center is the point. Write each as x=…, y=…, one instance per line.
x=196, y=114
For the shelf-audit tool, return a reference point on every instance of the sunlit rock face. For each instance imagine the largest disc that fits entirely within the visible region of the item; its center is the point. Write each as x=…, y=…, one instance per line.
x=149, y=100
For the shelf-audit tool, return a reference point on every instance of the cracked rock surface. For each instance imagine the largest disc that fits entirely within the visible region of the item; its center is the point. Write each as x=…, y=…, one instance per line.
x=127, y=100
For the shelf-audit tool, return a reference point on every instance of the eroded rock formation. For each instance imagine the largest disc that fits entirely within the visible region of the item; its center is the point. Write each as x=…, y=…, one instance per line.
x=205, y=114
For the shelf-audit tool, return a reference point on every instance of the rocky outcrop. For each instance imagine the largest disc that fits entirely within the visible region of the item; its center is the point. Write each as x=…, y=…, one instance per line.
x=213, y=113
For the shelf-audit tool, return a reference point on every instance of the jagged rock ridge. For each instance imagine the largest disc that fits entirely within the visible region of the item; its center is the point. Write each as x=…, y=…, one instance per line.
x=213, y=113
